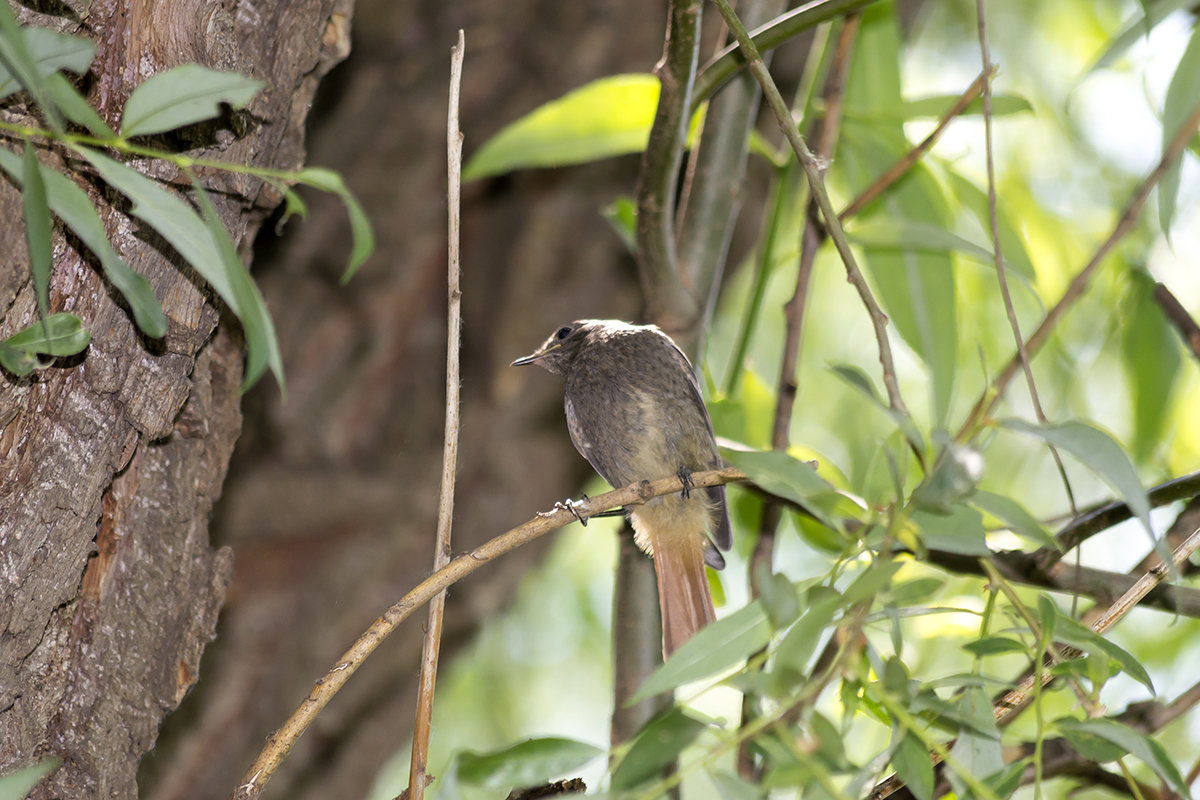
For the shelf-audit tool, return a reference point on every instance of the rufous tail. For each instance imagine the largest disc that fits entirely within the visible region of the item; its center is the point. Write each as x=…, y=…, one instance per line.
x=674, y=536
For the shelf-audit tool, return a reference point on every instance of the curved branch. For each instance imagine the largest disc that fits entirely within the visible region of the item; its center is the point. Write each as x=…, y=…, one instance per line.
x=280, y=743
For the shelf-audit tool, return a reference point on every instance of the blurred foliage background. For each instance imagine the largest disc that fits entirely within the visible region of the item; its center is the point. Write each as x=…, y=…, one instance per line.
x=1081, y=92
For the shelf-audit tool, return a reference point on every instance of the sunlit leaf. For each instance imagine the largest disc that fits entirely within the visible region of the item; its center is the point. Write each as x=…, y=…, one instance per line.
x=529, y=763
x=184, y=95
x=607, y=117
x=1137, y=28
x=782, y=475
x=900, y=234
x=937, y=106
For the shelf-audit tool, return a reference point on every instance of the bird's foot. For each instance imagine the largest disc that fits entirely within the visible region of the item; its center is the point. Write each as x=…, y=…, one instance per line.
x=574, y=507
x=685, y=478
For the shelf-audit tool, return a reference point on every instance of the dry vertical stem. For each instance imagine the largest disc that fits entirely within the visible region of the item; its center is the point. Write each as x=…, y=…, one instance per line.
x=417, y=778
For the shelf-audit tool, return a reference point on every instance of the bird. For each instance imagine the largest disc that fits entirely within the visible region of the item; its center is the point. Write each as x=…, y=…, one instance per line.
x=634, y=411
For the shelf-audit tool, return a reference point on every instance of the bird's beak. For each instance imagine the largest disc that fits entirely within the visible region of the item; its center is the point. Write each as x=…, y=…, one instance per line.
x=534, y=357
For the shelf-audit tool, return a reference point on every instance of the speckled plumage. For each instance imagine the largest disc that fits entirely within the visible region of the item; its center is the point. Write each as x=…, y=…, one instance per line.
x=634, y=411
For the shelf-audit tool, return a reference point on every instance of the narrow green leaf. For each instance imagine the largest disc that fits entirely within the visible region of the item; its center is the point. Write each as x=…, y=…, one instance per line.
x=935, y=106
x=659, y=743
x=18, y=61
x=1081, y=636
x=1099, y=452
x=72, y=206
x=184, y=95
x=607, y=117
x=262, y=348
x=780, y=474
x=714, y=649
x=179, y=224
x=362, y=237
x=873, y=580
x=913, y=765
x=49, y=51
x=994, y=645
x=901, y=234
x=953, y=478
x=977, y=749
x=621, y=214
x=798, y=645
x=528, y=763
x=60, y=334
x=1137, y=27
x=960, y=531
x=855, y=377
x=1139, y=744
x=732, y=787
x=1183, y=95
x=1014, y=515
x=294, y=206
x=1150, y=352
x=16, y=784
x=37, y=227
x=75, y=108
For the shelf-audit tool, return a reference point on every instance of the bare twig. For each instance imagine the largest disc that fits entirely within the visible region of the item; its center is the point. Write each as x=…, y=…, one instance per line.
x=906, y=162
x=1188, y=330
x=813, y=169
x=441, y=556
x=992, y=394
x=281, y=741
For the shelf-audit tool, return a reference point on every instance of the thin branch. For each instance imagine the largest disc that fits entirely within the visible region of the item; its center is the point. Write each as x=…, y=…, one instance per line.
x=813, y=171
x=280, y=743
x=1188, y=330
x=417, y=777
x=995, y=390
x=668, y=299
x=906, y=162
x=731, y=61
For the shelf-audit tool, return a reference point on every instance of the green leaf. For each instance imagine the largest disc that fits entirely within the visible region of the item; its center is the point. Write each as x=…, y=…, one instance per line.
x=778, y=596
x=1099, y=452
x=778, y=473
x=1135, y=29
x=1081, y=636
x=37, y=227
x=607, y=117
x=1183, y=95
x=16, y=784
x=621, y=214
x=60, y=334
x=977, y=749
x=1014, y=515
x=1139, y=744
x=856, y=378
x=874, y=579
x=994, y=645
x=17, y=60
x=71, y=205
x=658, y=744
x=732, y=787
x=800, y=642
x=901, y=234
x=1150, y=352
x=75, y=108
x=953, y=478
x=529, y=763
x=362, y=237
x=176, y=222
x=184, y=95
x=913, y=765
x=960, y=531
x=936, y=106
x=262, y=348
x=714, y=649
x=49, y=51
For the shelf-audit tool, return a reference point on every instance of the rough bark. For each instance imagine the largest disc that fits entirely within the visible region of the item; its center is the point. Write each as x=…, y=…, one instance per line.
x=330, y=506
x=110, y=463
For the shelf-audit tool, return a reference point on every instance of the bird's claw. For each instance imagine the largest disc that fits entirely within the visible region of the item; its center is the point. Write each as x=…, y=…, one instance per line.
x=574, y=507
x=685, y=478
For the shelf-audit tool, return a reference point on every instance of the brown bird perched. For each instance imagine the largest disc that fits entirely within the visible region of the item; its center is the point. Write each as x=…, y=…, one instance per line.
x=635, y=413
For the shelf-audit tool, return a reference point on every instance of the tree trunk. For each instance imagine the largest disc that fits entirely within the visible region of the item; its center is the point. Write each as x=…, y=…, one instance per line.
x=110, y=463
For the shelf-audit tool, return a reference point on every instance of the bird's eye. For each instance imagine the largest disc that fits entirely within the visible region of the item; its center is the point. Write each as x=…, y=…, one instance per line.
x=563, y=332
